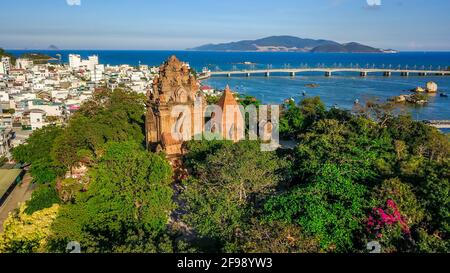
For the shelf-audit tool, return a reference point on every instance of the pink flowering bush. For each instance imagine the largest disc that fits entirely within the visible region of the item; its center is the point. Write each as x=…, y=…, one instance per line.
x=385, y=219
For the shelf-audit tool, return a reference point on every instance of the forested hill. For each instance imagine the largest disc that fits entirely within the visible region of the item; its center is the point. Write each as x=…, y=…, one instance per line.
x=290, y=44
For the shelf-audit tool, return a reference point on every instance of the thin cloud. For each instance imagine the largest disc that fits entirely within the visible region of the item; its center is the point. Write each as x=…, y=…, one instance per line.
x=373, y=4
x=73, y=2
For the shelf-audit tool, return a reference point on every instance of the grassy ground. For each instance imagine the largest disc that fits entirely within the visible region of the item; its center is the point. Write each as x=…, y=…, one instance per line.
x=21, y=194
x=7, y=177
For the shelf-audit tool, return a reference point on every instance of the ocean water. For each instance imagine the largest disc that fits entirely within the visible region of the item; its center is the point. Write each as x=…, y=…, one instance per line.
x=341, y=90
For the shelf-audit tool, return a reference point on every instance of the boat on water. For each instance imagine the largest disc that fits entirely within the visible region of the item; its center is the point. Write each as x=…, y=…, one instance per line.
x=444, y=95
x=289, y=100
x=206, y=74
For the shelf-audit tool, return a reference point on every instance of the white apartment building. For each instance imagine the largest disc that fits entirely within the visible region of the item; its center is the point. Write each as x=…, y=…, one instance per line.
x=24, y=64
x=51, y=109
x=136, y=76
x=6, y=63
x=59, y=95
x=38, y=86
x=74, y=61
x=92, y=62
x=4, y=96
x=37, y=119
x=97, y=73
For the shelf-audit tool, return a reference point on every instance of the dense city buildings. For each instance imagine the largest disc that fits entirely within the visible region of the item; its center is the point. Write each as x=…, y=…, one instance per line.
x=36, y=95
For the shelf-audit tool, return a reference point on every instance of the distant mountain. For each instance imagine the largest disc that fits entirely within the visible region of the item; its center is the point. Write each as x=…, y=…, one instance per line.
x=347, y=48
x=53, y=47
x=290, y=44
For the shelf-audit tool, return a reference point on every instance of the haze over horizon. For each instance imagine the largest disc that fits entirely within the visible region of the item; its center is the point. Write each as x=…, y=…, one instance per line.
x=413, y=25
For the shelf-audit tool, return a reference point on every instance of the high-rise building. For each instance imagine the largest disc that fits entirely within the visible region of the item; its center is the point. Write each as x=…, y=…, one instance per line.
x=6, y=63
x=97, y=73
x=74, y=61
x=92, y=62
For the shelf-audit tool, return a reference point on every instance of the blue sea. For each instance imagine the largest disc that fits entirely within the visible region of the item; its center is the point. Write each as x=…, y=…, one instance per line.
x=342, y=89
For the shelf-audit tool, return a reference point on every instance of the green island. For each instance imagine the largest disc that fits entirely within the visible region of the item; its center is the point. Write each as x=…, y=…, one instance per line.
x=38, y=58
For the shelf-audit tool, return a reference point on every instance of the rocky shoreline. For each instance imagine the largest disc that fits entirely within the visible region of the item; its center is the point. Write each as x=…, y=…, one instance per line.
x=420, y=97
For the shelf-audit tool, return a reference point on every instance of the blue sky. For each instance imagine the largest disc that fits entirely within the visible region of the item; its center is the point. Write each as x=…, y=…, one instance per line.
x=415, y=25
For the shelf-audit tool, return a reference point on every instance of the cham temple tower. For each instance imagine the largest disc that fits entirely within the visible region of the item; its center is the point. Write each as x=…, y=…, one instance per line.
x=176, y=87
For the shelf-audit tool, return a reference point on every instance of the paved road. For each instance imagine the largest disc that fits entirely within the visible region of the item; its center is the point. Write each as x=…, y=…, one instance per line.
x=21, y=194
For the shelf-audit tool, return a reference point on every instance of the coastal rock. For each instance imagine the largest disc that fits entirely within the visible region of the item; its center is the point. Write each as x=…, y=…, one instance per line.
x=400, y=99
x=418, y=89
x=432, y=87
x=419, y=99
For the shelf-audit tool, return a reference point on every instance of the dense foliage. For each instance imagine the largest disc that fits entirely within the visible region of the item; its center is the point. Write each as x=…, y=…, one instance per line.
x=124, y=200
x=352, y=178
x=128, y=201
x=38, y=152
x=25, y=233
x=37, y=58
x=108, y=116
x=229, y=181
x=44, y=197
x=351, y=171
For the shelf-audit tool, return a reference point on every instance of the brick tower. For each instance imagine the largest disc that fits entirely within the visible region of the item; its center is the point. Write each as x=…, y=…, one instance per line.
x=175, y=86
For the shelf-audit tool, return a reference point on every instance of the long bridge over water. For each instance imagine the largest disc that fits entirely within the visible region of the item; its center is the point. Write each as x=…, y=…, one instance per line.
x=440, y=124
x=328, y=72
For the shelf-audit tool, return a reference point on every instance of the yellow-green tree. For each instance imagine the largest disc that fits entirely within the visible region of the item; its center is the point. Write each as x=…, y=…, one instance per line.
x=25, y=233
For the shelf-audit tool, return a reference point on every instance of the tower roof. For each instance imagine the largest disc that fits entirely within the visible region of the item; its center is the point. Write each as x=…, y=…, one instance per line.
x=173, y=59
x=174, y=83
x=227, y=98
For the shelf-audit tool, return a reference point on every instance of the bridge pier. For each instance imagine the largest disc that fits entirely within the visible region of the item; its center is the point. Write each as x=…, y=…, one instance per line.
x=423, y=74
x=229, y=75
x=292, y=74
x=267, y=74
x=328, y=74
x=247, y=75
x=387, y=73
x=404, y=74
x=363, y=73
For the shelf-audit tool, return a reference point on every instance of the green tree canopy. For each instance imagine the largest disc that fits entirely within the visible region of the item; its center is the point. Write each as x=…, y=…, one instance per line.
x=226, y=187
x=129, y=196
x=331, y=208
x=37, y=151
x=116, y=115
